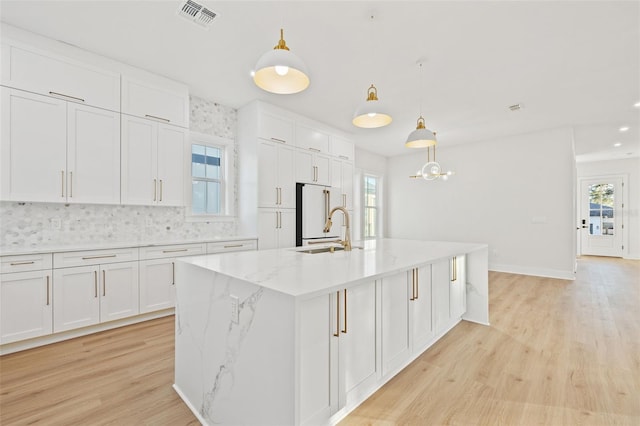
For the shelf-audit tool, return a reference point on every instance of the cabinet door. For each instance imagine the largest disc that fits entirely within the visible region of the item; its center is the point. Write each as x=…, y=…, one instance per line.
x=268, y=192
x=157, y=285
x=420, y=308
x=457, y=287
x=268, y=226
x=25, y=305
x=347, y=185
x=323, y=168
x=312, y=139
x=287, y=230
x=34, y=138
x=358, y=351
x=395, y=296
x=171, y=143
x=305, y=169
x=275, y=129
x=286, y=177
x=318, y=359
x=440, y=282
x=93, y=155
x=139, y=161
x=75, y=294
x=119, y=290
x=148, y=100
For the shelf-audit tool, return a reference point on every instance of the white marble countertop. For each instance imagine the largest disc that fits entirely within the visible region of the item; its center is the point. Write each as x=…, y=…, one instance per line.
x=115, y=245
x=306, y=275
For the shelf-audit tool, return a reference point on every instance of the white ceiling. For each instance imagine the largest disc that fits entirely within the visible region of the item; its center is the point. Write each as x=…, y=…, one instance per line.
x=569, y=63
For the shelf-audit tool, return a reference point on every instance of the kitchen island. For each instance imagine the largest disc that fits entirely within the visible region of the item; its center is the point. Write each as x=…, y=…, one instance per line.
x=287, y=337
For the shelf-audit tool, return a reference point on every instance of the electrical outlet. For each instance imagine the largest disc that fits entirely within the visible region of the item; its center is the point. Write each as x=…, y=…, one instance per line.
x=56, y=223
x=235, y=309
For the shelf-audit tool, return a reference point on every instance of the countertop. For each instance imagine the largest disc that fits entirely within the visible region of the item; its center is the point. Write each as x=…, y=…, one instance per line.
x=115, y=245
x=305, y=275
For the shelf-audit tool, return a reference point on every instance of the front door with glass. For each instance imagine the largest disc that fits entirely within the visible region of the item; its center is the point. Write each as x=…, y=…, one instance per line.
x=601, y=217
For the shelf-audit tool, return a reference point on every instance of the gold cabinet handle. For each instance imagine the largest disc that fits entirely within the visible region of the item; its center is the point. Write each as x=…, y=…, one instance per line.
x=95, y=283
x=278, y=140
x=344, y=200
x=22, y=263
x=173, y=273
x=417, y=285
x=99, y=257
x=337, y=333
x=175, y=250
x=66, y=96
x=47, y=290
x=71, y=184
x=104, y=282
x=160, y=190
x=413, y=285
x=155, y=190
x=345, y=312
x=233, y=246
x=62, y=186
x=166, y=120
x=314, y=150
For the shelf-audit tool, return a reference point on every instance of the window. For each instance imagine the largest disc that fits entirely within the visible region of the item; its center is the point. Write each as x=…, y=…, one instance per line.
x=601, y=205
x=371, y=204
x=211, y=171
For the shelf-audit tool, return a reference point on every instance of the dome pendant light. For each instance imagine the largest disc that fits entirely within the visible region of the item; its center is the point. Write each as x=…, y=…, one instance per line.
x=371, y=114
x=421, y=137
x=280, y=71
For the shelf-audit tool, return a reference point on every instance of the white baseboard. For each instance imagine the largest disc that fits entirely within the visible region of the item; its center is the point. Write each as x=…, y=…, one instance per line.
x=632, y=256
x=22, y=345
x=538, y=272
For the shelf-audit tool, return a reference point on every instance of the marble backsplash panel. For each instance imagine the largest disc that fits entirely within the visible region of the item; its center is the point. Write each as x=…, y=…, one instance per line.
x=31, y=225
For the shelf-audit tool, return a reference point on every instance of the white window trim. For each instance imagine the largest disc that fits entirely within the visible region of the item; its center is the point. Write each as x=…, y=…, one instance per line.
x=229, y=178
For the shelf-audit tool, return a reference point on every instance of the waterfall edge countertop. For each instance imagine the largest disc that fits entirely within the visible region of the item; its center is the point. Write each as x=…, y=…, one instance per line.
x=302, y=275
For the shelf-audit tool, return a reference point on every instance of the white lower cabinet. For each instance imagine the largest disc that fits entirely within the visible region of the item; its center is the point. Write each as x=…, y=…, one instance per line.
x=458, y=287
x=25, y=305
x=276, y=228
x=157, y=284
x=338, y=363
x=441, y=295
x=87, y=295
x=396, y=346
x=420, y=310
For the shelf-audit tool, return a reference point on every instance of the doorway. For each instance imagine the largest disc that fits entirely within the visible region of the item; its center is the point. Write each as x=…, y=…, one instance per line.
x=601, y=224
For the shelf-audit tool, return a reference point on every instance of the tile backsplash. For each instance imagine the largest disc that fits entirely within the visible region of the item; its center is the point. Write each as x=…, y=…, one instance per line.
x=31, y=225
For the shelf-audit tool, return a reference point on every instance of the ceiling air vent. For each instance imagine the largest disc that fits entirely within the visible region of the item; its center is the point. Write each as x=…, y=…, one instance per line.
x=515, y=107
x=197, y=13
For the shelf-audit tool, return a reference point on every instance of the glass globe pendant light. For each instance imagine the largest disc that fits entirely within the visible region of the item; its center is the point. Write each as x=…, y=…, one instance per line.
x=371, y=114
x=280, y=71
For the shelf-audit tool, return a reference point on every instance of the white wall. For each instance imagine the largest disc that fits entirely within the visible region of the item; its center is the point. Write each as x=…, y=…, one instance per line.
x=368, y=162
x=631, y=168
x=501, y=187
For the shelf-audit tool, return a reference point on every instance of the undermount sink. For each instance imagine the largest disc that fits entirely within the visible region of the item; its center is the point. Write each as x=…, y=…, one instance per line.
x=322, y=250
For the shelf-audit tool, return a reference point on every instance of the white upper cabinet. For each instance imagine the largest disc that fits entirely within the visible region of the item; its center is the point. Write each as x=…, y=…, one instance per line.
x=276, y=129
x=152, y=162
x=53, y=75
x=166, y=103
x=72, y=155
x=33, y=156
x=311, y=139
x=342, y=148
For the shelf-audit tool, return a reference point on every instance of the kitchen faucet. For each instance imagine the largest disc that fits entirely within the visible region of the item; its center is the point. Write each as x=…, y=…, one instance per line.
x=347, y=233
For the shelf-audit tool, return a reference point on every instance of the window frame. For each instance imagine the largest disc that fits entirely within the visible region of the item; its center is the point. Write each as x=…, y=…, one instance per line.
x=227, y=177
x=377, y=206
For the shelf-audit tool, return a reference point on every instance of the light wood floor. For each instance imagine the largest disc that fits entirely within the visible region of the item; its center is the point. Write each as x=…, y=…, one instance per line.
x=557, y=353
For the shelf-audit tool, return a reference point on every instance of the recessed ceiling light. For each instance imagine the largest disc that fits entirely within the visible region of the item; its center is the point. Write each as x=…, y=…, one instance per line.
x=617, y=144
x=624, y=128
x=637, y=104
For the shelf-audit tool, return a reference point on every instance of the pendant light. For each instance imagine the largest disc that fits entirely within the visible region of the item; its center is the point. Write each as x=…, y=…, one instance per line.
x=372, y=113
x=280, y=71
x=432, y=170
x=421, y=137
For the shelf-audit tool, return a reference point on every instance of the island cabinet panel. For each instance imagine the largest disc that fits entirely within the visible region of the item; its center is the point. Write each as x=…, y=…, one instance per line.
x=441, y=297
x=338, y=358
x=420, y=309
x=396, y=347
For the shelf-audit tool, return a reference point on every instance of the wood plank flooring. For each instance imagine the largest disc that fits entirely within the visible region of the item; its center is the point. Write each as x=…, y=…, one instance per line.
x=557, y=353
